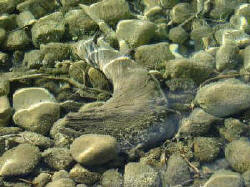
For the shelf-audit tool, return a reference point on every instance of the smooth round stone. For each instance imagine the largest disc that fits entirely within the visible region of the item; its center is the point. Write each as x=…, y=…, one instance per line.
x=25, y=97
x=237, y=153
x=20, y=160
x=225, y=178
x=94, y=149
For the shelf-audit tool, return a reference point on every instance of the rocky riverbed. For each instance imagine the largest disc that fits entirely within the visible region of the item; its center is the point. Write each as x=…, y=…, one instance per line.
x=122, y=93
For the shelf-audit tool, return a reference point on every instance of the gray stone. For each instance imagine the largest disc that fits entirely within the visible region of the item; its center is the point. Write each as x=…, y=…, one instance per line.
x=57, y=158
x=206, y=149
x=5, y=111
x=48, y=29
x=7, y=6
x=33, y=59
x=112, y=178
x=79, y=24
x=38, y=140
x=153, y=56
x=178, y=35
x=225, y=178
x=81, y=175
x=237, y=153
x=223, y=98
x=140, y=175
x=38, y=118
x=19, y=160
x=136, y=32
x=17, y=40
x=26, y=97
x=197, y=123
x=38, y=8
x=25, y=18
x=64, y=182
x=41, y=180
x=177, y=171
x=94, y=149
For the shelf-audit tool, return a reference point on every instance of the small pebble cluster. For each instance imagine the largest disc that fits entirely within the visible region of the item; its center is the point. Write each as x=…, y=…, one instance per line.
x=122, y=93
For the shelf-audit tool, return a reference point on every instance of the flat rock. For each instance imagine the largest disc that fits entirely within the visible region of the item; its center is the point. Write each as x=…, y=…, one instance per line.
x=136, y=32
x=26, y=97
x=5, y=110
x=38, y=118
x=237, y=153
x=94, y=149
x=140, y=175
x=19, y=160
x=225, y=178
x=224, y=98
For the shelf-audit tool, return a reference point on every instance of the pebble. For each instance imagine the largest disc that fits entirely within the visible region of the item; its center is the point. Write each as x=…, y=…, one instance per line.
x=41, y=180
x=57, y=158
x=94, y=149
x=177, y=171
x=237, y=153
x=140, y=175
x=178, y=35
x=112, y=178
x=19, y=160
x=5, y=111
x=206, y=149
x=225, y=178
x=223, y=98
x=82, y=175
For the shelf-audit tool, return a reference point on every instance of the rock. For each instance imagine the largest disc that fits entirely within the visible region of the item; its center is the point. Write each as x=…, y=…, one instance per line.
x=7, y=6
x=136, y=32
x=57, y=158
x=33, y=59
x=188, y=68
x=239, y=37
x=153, y=56
x=38, y=8
x=223, y=98
x=225, y=178
x=26, y=97
x=17, y=40
x=41, y=180
x=104, y=10
x=5, y=111
x=240, y=23
x=19, y=160
x=140, y=175
x=4, y=59
x=38, y=140
x=47, y=29
x=233, y=129
x=246, y=176
x=112, y=178
x=98, y=79
x=81, y=175
x=9, y=130
x=79, y=23
x=247, y=58
x=38, y=118
x=206, y=149
x=62, y=174
x=177, y=171
x=77, y=71
x=212, y=167
x=180, y=12
x=64, y=182
x=204, y=58
x=25, y=18
x=94, y=149
x=2, y=35
x=8, y=22
x=237, y=153
x=54, y=52
x=178, y=35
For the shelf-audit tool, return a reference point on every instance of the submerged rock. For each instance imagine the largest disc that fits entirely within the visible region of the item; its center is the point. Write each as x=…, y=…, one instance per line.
x=5, y=111
x=224, y=98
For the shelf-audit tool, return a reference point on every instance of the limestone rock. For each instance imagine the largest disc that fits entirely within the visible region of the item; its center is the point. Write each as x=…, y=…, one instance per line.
x=225, y=178
x=94, y=149
x=237, y=153
x=224, y=98
x=19, y=160
x=140, y=175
